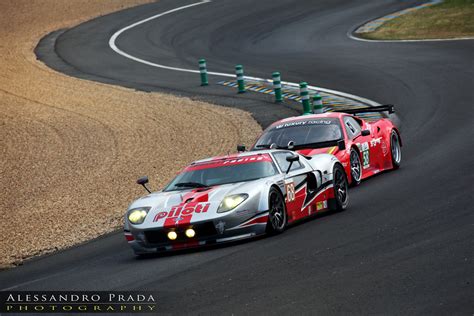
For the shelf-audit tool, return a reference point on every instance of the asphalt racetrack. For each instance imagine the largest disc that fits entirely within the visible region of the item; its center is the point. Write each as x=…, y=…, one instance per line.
x=404, y=246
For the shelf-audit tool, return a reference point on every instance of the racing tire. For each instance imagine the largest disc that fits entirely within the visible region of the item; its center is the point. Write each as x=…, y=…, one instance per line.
x=341, y=188
x=356, y=167
x=395, y=149
x=277, y=217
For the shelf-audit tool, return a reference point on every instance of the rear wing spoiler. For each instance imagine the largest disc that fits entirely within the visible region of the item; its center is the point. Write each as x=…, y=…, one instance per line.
x=381, y=108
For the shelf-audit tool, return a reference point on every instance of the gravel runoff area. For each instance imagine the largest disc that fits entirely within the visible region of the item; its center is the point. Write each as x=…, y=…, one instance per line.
x=71, y=150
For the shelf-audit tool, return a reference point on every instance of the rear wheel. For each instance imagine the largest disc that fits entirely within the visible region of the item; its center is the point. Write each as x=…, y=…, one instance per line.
x=395, y=149
x=341, y=197
x=356, y=167
x=276, y=212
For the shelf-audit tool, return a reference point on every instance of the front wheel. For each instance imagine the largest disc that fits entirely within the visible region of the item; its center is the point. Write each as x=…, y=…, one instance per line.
x=341, y=197
x=395, y=150
x=276, y=212
x=356, y=167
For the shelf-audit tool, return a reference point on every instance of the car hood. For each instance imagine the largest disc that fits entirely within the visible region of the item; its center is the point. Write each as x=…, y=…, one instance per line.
x=176, y=208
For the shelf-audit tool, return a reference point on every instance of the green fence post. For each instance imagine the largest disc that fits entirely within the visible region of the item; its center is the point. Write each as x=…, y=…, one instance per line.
x=277, y=86
x=317, y=103
x=239, y=72
x=203, y=71
x=305, y=98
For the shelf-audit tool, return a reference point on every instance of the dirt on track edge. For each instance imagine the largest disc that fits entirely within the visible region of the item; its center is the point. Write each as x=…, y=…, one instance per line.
x=70, y=149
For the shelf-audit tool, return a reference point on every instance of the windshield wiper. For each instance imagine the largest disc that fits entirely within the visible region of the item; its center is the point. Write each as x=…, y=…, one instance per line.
x=190, y=185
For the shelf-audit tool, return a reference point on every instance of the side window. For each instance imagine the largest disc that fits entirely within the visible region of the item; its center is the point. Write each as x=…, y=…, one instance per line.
x=352, y=127
x=280, y=158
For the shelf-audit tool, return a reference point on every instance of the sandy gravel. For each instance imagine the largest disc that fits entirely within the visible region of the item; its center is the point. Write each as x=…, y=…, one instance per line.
x=71, y=150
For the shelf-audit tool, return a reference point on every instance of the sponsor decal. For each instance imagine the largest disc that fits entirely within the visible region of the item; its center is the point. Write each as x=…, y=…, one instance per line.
x=302, y=123
x=375, y=141
x=229, y=162
x=321, y=205
x=244, y=160
x=384, y=148
x=182, y=212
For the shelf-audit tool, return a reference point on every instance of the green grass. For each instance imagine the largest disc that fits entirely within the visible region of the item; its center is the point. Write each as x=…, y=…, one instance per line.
x=452, y=18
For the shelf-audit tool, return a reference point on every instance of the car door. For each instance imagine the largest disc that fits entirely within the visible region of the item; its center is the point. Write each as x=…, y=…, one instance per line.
x=300, y=184
x=378, y=147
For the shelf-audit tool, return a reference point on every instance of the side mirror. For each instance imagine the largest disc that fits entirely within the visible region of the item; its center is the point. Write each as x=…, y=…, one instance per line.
x=365, y=132
x=341, y=145
x=143, y=181
x=241, y=148
x=291, y=159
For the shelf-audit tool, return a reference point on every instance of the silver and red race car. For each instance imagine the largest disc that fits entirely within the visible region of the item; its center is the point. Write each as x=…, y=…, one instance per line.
x=229, y=198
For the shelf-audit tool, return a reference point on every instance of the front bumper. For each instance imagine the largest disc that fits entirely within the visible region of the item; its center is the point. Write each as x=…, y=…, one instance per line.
x=207, y=233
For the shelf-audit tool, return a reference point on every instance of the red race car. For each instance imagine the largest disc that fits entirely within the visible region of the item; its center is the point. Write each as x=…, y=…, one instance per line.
x=364, y=148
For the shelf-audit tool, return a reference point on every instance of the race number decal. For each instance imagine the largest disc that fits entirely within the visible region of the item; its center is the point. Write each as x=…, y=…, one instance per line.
x=365, y=155
x=290, y=191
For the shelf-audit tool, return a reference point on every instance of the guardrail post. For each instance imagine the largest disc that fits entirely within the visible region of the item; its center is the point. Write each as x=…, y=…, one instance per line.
x=305, y=98
x=317, y=103
x=277, y=86
x=239, y=72
x=203, y=71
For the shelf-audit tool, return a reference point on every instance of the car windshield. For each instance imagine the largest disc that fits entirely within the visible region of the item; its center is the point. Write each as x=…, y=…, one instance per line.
x=223, y=171
x=300, y=133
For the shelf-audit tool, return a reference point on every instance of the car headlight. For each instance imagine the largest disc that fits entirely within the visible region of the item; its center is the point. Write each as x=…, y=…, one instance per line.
x=137, y=216
x=232, y=201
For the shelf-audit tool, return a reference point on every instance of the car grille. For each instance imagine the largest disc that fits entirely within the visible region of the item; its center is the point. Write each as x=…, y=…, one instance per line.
x=203, y=231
